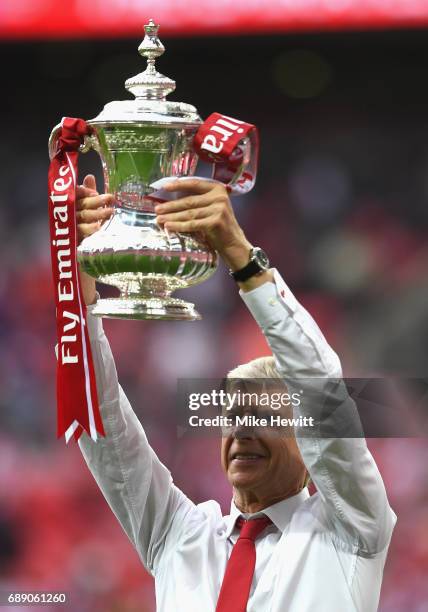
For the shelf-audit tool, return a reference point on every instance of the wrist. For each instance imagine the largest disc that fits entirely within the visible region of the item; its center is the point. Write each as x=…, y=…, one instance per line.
x=258, y=262
x=236, y=256
x=257, y=281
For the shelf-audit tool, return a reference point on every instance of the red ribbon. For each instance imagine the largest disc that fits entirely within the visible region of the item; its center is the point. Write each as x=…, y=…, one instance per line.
x=77, y=401
x=220, y=140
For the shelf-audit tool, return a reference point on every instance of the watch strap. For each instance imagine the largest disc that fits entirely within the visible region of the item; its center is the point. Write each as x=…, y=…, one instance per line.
x=251, y=269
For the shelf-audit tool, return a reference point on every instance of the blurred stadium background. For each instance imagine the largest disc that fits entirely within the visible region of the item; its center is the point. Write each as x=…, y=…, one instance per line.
x=339, y=90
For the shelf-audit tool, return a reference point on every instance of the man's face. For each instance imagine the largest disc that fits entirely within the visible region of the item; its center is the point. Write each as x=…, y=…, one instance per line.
x=262, y=460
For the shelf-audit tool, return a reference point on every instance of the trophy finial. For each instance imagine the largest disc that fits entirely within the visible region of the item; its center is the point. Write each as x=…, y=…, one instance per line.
x=150, y=84
x=151, y=47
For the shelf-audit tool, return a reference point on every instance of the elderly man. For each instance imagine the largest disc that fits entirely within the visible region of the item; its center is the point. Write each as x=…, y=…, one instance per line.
x=280, y=549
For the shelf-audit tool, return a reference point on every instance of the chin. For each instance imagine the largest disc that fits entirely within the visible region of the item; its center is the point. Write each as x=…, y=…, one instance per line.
x=242, y=481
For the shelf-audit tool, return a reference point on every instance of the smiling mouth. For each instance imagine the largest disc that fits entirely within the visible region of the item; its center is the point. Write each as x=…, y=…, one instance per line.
x=243, y=457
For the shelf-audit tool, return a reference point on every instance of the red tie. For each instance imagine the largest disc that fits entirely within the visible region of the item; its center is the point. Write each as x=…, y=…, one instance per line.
x=238, y=576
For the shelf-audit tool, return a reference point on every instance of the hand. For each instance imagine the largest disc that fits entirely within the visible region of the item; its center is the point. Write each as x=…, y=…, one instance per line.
x=91, y=210
x=207, y=210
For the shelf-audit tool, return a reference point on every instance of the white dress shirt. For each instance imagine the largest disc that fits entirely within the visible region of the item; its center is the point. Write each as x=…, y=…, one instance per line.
x=322, y=553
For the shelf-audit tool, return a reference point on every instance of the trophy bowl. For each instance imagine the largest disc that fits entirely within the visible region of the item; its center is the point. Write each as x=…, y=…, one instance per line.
x=139, y=142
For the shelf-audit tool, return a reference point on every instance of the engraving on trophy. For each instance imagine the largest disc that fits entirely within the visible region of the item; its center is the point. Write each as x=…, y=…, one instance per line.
x=125, y=140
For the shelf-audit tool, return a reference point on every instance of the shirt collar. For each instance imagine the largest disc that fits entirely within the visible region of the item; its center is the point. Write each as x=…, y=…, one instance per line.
x=279, y=513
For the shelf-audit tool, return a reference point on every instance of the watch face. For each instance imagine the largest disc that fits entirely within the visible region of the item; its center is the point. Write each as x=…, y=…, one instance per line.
x=261, y=258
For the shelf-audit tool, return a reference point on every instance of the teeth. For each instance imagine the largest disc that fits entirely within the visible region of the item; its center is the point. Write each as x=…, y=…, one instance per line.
x=246, y=456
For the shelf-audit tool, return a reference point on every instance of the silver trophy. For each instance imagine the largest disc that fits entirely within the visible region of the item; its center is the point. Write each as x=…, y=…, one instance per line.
x=139, y=142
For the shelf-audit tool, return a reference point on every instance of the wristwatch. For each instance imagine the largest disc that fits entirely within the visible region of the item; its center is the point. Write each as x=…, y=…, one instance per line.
x=259, y=262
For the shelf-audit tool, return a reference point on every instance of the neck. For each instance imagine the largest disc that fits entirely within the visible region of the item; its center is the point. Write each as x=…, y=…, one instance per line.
x=250, y=502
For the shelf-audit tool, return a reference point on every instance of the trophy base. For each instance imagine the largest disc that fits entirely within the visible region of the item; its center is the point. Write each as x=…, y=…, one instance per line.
x=161, y=308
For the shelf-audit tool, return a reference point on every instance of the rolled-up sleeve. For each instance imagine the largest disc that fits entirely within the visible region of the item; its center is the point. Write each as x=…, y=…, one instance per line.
x=137, y=486
x=351, y=494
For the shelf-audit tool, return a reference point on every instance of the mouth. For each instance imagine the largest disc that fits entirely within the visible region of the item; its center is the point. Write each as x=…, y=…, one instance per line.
x=241, y=458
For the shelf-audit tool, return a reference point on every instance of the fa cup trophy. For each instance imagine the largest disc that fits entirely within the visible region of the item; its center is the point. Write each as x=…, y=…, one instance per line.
x=140, y=142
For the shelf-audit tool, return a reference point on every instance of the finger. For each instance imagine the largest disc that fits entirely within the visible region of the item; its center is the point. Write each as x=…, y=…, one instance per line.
x=185, y=215
x=87, y=229
x=197, y=201
x=194, y=225
x=91, y=216
x=90, y=182
x=82, y=192
x=93, y=202
x=197, y=186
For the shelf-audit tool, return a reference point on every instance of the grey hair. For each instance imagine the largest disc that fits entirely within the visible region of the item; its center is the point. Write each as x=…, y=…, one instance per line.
x=262, y=367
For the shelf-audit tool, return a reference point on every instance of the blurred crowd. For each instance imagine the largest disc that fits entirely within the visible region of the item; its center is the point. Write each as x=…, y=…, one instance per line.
x=341, y=207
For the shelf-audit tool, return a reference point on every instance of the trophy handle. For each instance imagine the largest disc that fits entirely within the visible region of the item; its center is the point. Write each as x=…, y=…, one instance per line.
x=53, y=139
x=239, y=173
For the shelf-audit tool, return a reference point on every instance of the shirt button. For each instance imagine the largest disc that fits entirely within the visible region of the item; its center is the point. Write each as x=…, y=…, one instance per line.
x=272, y=301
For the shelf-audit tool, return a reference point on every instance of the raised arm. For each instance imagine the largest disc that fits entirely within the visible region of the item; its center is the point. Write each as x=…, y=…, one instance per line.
x=137, y=486
x=351, y=494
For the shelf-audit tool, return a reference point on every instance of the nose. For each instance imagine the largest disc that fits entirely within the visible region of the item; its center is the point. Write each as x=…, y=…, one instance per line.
x=243, y=432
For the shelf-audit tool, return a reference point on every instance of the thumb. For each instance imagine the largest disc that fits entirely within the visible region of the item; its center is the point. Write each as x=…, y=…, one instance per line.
x=89, y=182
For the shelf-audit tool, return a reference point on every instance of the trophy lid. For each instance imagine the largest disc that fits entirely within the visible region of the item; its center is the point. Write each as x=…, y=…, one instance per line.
x=150, y=84
x=150, y=89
